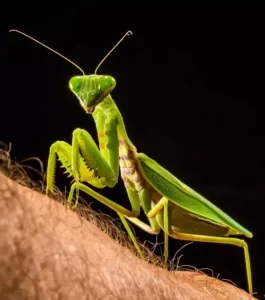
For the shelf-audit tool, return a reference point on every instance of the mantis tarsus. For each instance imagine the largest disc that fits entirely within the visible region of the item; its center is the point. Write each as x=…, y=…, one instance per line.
x=168, y=203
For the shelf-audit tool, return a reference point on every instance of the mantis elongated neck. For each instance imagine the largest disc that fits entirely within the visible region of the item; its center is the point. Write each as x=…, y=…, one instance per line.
x=109, y=108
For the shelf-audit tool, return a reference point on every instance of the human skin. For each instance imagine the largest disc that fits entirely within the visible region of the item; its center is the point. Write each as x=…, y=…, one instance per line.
x=49, y=252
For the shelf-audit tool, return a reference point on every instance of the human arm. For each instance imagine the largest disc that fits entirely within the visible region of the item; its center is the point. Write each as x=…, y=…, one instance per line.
x=49, y=252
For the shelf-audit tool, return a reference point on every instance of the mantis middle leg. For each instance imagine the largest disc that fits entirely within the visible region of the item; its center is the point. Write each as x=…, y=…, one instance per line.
x=135, y=198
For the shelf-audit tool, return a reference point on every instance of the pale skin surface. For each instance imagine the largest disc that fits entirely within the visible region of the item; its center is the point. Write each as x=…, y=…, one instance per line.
x=49, y=252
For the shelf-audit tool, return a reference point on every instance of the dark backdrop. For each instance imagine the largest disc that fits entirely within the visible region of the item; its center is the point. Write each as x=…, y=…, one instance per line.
x=190, y=85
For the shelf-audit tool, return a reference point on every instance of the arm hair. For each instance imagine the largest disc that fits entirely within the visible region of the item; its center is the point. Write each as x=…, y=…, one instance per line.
x=49, y=252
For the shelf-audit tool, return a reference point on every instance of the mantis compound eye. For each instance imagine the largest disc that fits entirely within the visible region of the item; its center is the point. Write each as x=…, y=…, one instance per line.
x=74, y=84
x=106, y=83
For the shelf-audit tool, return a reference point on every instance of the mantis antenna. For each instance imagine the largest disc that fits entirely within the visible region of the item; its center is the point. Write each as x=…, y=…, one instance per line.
x=14, y=30
x=45, y=46
x=124, y=36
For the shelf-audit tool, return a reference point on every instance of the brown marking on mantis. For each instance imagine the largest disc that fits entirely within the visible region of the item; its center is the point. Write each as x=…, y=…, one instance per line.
x=121, y=142
x=155, y=197
x=101, y=134
x=128, y=171
x=137, y=179
x=123, y=157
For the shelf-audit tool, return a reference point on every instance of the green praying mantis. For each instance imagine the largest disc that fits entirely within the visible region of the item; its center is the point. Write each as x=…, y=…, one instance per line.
x=168, y=203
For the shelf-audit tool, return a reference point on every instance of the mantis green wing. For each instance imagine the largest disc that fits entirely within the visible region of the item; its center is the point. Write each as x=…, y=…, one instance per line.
x=198, y=209
x=186, y=215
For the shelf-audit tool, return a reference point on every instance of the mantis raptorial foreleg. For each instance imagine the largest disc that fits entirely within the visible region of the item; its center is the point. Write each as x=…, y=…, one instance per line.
x=83, y=161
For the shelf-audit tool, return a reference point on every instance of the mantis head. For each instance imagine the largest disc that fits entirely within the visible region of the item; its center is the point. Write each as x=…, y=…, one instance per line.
x=91, y=89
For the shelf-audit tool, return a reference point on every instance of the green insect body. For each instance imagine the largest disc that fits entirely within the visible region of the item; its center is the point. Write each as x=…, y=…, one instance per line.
x=168, y=203
x=181, y=212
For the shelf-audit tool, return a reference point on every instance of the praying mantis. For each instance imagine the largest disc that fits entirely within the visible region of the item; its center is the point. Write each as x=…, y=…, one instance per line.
x=169, y=204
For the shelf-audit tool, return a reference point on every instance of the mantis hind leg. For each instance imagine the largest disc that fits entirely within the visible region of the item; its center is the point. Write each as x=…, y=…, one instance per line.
x=163, y=204
x=221, y=240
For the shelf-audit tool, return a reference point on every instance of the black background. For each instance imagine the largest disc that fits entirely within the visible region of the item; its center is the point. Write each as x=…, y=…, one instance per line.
x=190, y=86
